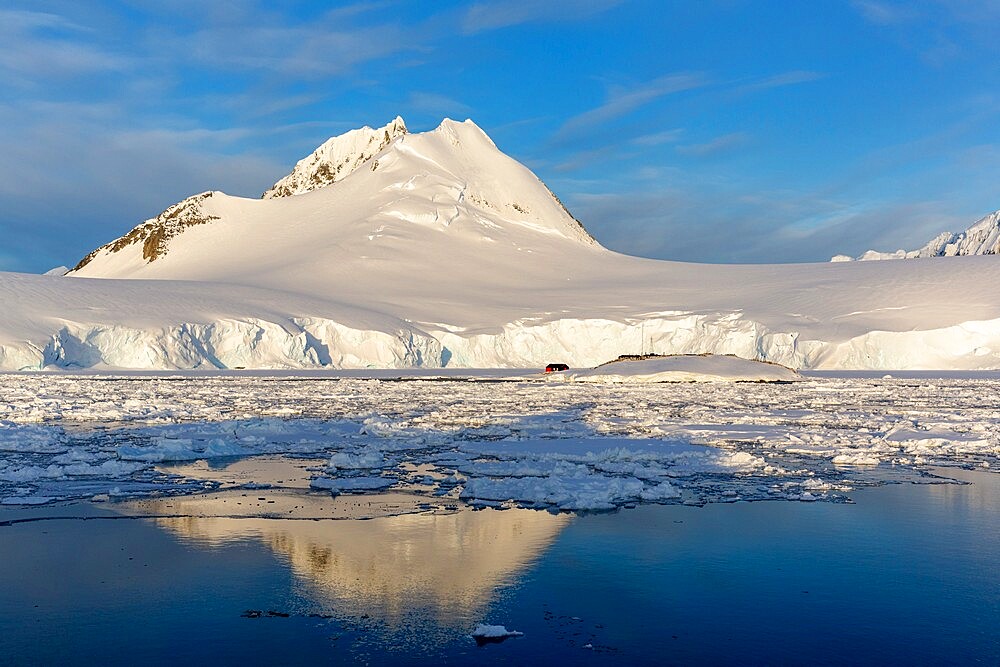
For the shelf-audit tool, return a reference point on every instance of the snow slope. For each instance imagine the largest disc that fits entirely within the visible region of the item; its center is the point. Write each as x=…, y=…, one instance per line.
x=439, y=250
x=982, y=238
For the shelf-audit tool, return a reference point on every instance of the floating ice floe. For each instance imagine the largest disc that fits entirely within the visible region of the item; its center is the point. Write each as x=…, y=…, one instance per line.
x=485, y=634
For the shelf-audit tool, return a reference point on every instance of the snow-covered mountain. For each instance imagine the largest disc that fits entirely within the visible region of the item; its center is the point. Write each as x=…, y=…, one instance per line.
x=446, y=196
x=393, y=249
x=982, y=238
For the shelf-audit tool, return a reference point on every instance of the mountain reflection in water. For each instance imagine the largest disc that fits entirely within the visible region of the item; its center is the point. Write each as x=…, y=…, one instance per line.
x=446, y=565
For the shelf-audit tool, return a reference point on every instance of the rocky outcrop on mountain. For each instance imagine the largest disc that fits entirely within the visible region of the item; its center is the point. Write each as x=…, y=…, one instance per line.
x=336, y=159
x=154, y=233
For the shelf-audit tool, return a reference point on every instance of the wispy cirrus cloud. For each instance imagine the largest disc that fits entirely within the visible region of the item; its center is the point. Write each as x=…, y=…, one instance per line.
x=684, y=222
x=25, y=19
x=40, y=46
x=885, y=13
x=941, y=31
x=301, y=51
x=484, y=16
x=720, y=144
x=622, y=101
x=896, y=12
x=284, y=45
x=658, y=138
x=792, y=78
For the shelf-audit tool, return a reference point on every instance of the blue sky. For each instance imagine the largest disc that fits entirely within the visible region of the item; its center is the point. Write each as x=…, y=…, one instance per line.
x=710, y=130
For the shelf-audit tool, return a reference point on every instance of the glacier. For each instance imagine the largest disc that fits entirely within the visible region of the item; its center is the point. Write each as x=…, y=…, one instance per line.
x=390, y=249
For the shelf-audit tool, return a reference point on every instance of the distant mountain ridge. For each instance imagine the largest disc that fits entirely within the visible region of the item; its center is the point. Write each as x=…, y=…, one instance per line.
x=982, y=238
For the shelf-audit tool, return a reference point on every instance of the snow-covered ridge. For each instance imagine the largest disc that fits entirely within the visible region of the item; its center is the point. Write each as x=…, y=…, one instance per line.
x=336, y=158
x=982, y=238
x=154, y=234
x=451, y=178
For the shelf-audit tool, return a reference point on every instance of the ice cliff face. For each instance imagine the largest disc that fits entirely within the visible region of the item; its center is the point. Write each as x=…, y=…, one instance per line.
x=336, y=159
x=982, y=238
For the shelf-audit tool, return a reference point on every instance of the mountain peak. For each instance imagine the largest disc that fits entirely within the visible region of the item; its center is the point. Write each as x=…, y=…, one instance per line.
x=336, y=158
x=449, y=192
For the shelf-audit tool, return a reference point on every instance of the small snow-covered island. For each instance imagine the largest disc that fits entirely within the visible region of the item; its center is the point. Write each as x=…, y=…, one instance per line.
x=391, y=249
x=685, y=368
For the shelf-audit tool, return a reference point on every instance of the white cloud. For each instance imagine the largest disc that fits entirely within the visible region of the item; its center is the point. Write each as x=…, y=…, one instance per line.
x=40, y=47
x=285, y=46
x=22, y=20
x=720, y=144
x=884, y=13
x=686, y=223
x=659, y=138
x=792, y=78
x=299, y=52
x=622, y=101
x=493, y=15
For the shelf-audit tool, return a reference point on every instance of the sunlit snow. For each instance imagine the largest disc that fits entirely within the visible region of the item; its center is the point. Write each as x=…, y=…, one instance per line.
x=437, y=250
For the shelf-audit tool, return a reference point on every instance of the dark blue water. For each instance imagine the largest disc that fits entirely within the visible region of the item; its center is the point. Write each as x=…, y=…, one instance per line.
x=908, y=574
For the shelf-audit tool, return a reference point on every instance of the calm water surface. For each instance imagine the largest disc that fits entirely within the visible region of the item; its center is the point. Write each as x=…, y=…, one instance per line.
x=908, y=574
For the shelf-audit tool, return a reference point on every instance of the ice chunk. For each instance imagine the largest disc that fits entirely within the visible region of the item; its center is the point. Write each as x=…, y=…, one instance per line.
x=856, y=458
x=487, y=634
x=368, y=460
x=181, y=449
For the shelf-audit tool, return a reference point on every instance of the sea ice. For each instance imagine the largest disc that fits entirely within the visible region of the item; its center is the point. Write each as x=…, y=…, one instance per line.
x=561, y=446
